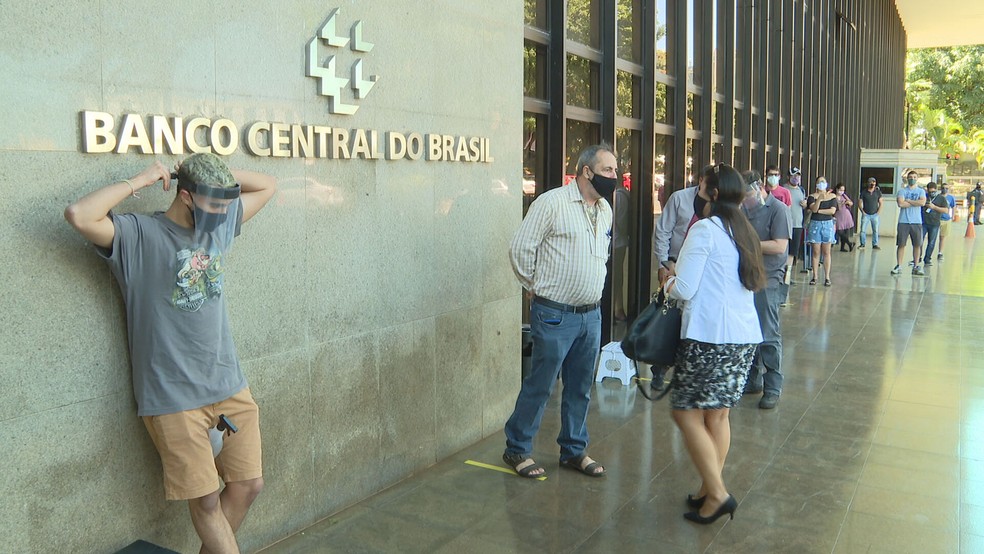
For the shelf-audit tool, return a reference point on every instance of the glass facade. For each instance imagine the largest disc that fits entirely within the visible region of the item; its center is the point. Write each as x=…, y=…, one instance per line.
x=674, y=85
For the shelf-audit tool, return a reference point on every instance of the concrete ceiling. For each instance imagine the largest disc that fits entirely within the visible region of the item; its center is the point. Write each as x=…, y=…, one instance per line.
x=932, y=23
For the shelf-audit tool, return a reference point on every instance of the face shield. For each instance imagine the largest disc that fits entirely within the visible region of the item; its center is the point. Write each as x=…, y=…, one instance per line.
x=753, y=196
x=216, y=212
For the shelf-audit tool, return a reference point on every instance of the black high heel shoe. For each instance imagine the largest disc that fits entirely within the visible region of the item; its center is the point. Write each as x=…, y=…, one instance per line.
x=695, y=502
x=728, y=507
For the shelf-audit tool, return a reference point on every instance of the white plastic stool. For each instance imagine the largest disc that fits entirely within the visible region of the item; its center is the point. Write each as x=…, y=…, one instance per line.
x=613, y=363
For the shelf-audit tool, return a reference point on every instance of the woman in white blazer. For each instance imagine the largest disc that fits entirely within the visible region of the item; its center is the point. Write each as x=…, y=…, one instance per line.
x=716, y=274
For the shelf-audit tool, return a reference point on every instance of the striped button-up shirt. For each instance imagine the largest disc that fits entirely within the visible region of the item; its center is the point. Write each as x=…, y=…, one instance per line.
x=556, y=252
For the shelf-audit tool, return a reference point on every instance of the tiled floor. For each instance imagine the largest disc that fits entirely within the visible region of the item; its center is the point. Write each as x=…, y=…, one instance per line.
x=875, y=447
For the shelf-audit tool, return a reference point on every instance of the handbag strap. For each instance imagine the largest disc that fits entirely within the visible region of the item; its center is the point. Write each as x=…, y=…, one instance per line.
x=642, y=387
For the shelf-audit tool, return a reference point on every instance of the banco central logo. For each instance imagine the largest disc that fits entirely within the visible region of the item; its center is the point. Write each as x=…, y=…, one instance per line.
x=330, y=84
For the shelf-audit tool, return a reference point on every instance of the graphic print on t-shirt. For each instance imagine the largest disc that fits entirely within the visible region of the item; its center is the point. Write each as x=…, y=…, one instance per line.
x=199, y=278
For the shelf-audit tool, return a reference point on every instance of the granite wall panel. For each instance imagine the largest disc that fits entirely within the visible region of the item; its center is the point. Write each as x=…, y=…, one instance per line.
x=371, y=301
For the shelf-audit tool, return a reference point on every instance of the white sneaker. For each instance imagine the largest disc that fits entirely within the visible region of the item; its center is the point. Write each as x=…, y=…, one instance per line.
x=897, y=270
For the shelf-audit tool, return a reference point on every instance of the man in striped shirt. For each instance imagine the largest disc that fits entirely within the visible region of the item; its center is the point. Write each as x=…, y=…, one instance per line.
x=559, y=255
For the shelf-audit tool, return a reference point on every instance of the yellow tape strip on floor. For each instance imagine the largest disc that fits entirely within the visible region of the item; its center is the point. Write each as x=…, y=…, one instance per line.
x=502, y=469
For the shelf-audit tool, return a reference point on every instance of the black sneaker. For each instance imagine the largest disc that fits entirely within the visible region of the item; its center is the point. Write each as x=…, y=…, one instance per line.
x=769, y=401
x=927, y=262
x=939, y=256
x=875, y=247
x=860, y=247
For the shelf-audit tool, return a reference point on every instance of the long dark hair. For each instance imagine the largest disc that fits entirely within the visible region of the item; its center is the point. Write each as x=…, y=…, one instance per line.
x=730, y=188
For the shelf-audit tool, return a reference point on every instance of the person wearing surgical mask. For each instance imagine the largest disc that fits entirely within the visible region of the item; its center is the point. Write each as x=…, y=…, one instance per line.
x=911, y=198
x=843, y=219
x=821, y=233
x=871, y=205
x=772, y=186
x=798, y=204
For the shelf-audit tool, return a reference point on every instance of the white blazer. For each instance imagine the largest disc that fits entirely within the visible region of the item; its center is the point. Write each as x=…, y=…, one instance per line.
x=718, y=309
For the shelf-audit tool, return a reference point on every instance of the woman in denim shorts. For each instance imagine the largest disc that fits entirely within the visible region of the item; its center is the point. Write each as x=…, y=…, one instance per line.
x=821, y=234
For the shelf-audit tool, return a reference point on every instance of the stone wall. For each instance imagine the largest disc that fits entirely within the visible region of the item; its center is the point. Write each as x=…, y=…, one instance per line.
x=372, y=303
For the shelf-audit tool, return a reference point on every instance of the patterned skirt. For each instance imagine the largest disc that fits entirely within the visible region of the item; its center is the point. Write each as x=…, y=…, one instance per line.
x=710, y=376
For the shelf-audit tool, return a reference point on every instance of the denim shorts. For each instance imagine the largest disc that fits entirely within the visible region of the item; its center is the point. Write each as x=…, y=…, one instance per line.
x=821, y=232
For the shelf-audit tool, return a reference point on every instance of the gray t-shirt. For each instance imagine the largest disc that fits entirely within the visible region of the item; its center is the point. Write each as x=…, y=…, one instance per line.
x=933, y=217
x=180, y=341
x=771, y=221
x=795, y=210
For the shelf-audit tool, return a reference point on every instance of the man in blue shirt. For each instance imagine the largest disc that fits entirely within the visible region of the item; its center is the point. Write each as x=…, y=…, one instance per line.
x=910, y=199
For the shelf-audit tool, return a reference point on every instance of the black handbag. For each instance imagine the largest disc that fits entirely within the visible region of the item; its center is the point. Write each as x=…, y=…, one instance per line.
x=654, y=335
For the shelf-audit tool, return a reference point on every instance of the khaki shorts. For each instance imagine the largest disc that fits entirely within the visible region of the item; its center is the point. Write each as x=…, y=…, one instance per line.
x=944, y=228
x=182, y=441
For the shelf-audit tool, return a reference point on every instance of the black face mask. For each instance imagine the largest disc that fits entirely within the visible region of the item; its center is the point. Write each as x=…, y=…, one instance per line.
x=604, y=186
x=699, y=204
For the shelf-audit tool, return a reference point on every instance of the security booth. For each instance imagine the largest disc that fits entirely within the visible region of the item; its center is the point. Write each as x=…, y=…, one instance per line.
x=889, y=168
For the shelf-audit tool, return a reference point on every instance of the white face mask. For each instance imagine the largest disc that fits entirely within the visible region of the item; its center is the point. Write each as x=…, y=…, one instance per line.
x=773, y=180
x=822, y=185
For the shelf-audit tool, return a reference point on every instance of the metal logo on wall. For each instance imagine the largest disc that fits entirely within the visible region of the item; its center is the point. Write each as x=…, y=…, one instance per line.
x=104, y=133
x=330, y=84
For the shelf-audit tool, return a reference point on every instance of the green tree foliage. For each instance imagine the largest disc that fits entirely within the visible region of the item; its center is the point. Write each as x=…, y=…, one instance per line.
x=945, y=98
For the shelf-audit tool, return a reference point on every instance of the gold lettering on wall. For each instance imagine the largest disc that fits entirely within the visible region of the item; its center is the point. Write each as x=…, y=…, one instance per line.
x=176, y=135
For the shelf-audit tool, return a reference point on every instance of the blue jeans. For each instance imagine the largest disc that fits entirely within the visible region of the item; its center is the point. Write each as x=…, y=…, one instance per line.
x=769, y=353
x=567, y=344
x=931, y=232
x=873, y=221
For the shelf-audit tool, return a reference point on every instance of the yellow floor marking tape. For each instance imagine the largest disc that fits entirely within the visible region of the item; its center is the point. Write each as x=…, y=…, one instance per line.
x=502, y=469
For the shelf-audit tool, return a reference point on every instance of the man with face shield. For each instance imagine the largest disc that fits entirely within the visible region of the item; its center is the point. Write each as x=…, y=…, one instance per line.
x=559, y=255
x=212, y=201
x=771, y=221
x=186, y=375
